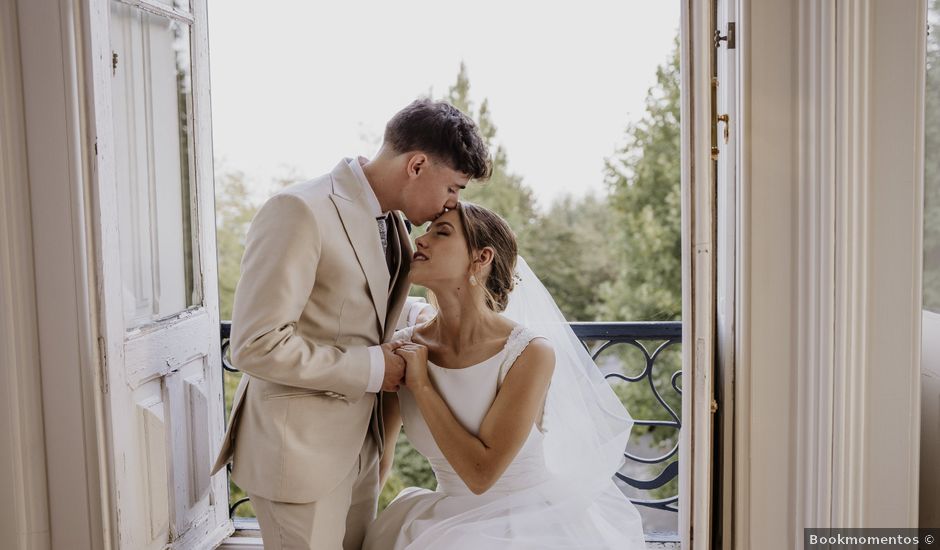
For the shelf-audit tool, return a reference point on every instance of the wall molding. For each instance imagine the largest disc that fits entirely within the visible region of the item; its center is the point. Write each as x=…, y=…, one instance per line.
x=816, y=277
x=52, y=66
x=852, y=246
x=24, y=512
x=858, y=255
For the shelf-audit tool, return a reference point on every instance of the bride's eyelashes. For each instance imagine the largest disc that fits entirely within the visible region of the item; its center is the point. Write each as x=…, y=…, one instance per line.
x=441, y=230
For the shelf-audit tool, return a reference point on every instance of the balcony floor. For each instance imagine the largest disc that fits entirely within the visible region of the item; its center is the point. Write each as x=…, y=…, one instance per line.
x=247, y=537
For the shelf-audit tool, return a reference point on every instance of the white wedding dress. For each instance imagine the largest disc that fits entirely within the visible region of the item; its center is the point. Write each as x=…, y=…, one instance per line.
x=524, y=509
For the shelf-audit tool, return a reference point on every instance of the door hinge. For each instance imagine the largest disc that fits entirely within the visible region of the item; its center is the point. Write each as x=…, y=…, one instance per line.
x=714, y=128
x=103, y=372
x=114, y=62
x=714, y=406
x=729, y=38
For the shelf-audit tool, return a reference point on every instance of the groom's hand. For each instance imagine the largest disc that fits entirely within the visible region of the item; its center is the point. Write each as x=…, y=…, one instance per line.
x=416, y=364
x=394, y=367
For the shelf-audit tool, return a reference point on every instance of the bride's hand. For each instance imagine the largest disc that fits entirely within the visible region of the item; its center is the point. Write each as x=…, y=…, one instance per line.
x=416, y=364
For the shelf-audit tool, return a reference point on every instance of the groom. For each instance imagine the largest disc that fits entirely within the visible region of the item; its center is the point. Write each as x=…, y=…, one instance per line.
x=323, y=283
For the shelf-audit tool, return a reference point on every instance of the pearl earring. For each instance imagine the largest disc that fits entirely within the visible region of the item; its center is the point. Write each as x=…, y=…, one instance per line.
x=473, y=280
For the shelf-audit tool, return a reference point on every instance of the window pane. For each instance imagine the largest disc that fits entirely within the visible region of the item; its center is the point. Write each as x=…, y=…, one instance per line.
x=152, y=104
x=932, y=164
x=179, y=4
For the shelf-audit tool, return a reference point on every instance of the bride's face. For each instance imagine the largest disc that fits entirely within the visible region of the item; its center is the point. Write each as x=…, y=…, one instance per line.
x=441, y=255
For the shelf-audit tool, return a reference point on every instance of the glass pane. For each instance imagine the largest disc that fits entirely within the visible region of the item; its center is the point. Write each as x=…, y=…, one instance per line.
x=932, y=163
x=178, y=4
x=152, y=102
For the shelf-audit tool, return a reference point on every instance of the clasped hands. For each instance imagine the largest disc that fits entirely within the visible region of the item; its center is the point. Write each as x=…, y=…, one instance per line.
x=405, y=363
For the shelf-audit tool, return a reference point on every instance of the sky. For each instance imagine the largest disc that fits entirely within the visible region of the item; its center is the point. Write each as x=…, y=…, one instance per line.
x=298, y=85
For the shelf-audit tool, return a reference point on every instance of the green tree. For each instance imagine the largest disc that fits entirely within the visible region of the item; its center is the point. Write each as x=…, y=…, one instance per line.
x=234, y=210
x=409, y=469
x=644, y=182
x=932, y=164
x=570, y=250
x=573, y=230
x=504, y=192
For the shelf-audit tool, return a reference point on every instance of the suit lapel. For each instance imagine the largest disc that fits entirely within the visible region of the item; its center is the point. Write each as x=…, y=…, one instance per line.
x=399, y=283
x=395, y=252
x=363, y=234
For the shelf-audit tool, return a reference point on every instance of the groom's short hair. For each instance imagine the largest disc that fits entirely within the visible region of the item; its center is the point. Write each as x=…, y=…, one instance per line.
x=442, y=131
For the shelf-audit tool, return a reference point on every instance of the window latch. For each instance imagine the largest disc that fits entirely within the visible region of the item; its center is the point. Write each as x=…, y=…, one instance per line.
x=729, y=38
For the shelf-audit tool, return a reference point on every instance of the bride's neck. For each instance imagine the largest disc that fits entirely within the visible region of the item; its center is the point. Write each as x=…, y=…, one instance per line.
x=462, y=320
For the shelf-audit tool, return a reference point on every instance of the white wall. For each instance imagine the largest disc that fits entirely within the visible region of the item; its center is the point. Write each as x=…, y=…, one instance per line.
x=829, y=327
x=766, y=328
x=24, y=512
x=56, y=148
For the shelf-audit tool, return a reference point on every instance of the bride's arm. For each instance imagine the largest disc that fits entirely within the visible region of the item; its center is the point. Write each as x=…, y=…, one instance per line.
x=391, y=418
x=481, y=459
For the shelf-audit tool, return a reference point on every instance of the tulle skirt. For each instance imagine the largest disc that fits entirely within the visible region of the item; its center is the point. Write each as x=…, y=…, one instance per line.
x=548, y=516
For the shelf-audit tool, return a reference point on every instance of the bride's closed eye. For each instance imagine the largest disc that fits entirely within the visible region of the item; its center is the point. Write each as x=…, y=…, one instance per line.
x=440, y=229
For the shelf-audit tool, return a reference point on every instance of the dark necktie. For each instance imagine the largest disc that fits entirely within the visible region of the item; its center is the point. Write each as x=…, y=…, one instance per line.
x=385, y=228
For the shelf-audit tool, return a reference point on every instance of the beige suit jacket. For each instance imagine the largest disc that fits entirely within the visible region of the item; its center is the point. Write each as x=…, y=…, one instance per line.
x=314, y=293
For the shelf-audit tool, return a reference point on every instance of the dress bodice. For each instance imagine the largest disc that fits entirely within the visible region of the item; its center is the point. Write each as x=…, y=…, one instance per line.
x=469, y=392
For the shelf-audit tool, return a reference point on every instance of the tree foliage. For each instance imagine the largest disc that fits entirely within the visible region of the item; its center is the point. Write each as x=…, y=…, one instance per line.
x=932, y=165
x=234, y=210
x=644, y=183
x=504, y=192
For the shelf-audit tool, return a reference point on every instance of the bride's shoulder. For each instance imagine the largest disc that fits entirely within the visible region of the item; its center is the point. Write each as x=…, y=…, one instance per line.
x=528, y=352
x=538, y=343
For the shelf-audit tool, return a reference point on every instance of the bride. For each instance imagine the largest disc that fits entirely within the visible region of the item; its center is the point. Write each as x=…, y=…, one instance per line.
x=522, y=431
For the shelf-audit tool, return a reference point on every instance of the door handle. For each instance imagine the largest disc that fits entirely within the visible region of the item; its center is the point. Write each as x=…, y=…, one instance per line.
x=724, y=119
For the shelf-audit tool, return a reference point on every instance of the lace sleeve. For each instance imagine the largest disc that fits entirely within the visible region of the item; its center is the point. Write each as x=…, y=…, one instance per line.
x=403, y=335
x=517, y=343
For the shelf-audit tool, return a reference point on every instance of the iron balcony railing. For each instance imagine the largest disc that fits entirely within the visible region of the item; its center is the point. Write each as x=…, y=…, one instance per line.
x=602, y=339
x=652, y=339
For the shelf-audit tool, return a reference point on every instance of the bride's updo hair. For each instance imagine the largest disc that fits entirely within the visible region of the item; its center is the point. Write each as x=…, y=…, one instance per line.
x=482, y=228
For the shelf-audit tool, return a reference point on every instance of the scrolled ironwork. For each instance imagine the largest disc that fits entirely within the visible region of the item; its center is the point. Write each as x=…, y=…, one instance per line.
x=636, y=335
x=608, y=335
x=225, y=329
x=235, y=505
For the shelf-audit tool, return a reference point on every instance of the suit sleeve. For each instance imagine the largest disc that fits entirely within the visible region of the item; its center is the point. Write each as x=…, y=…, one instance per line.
x=278, y=272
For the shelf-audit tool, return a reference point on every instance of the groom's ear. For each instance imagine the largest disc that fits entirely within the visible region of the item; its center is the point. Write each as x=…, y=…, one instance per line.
x=417, y=162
